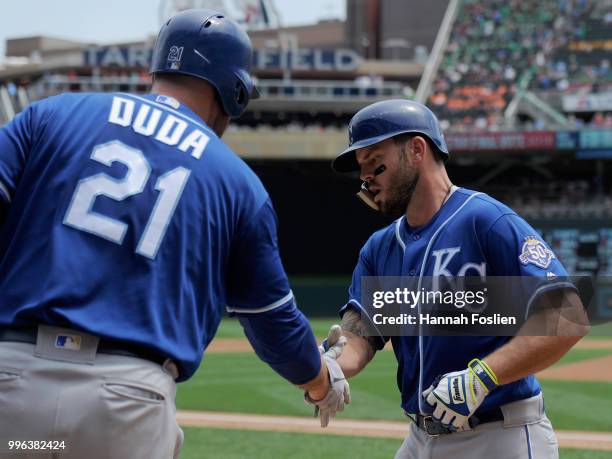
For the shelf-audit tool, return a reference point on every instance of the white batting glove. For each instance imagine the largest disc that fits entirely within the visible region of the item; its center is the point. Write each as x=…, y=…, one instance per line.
x=339, y=392
x=456, y=396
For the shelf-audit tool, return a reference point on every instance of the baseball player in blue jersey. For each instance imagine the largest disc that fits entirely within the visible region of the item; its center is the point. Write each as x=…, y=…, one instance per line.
x=470, y=396
x=127, y=225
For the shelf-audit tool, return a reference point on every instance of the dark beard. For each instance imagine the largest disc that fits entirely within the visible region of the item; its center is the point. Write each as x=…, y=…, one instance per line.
x=400, y=193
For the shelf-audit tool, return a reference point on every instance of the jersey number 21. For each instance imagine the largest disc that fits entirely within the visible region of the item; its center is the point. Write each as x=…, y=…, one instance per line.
x=170, y=185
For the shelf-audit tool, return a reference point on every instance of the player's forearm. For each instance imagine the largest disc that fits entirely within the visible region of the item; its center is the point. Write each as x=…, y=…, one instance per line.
x=356, y=355
x=525, y=355
x=562, y=316
x=318, y=387
x=359, y=349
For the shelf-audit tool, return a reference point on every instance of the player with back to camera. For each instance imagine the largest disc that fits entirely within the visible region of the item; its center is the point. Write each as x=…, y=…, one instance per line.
x=126, y=224
x=468, y=396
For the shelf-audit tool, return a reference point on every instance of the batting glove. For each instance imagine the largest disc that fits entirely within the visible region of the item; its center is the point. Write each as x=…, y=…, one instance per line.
x=339, y=392
x=455, y=396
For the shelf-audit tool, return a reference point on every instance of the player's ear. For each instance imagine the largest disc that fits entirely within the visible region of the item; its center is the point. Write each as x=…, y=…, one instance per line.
x=418, y=148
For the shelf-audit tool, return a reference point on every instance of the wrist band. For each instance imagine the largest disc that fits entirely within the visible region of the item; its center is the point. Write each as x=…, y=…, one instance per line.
x=484, y=374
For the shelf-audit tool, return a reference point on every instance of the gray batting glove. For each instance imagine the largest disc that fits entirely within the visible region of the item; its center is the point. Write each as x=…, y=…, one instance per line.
x=339, y=392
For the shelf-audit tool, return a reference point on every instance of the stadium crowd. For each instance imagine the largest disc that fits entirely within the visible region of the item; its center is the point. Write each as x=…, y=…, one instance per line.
x=498, y=47
x=559, y=200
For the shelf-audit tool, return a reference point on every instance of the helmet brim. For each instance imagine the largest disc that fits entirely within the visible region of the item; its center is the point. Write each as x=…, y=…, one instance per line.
x=347, y=161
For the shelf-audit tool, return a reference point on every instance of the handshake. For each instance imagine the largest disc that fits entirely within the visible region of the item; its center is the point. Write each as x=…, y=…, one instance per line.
x=339, y=393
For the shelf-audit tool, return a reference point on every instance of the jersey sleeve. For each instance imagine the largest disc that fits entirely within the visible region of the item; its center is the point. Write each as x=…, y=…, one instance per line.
x=258, y=294
x=516, y=250
x=256, y=278
x=364, y=268
x=16, y=140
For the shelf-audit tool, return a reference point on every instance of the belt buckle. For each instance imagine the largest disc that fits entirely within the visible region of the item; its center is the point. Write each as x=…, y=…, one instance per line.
x=427, y=422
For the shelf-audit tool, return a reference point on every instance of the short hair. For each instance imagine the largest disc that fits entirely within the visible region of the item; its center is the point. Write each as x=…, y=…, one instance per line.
x=402, y=139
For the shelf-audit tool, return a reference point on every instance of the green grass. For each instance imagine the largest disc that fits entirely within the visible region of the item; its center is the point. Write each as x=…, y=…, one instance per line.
x=235, y=444
x=583, y=454
x=601, y=331
x=231, y=328
x=243, y=444
x=575, y=405
x=240, y=382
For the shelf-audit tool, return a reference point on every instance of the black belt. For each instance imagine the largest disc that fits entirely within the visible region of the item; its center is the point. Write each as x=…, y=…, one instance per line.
x=434, y=428
x=105, y=346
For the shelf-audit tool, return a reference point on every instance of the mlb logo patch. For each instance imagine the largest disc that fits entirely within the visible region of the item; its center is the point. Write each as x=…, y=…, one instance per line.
x=167, y=100
x=70, y=342
x=536, y=253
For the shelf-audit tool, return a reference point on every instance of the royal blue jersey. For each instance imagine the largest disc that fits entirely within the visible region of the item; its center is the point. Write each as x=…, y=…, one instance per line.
x=471, y=235
x=128, y=218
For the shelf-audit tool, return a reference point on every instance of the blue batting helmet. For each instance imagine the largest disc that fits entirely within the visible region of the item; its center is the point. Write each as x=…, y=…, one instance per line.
x=383, y=120
x=208, y=45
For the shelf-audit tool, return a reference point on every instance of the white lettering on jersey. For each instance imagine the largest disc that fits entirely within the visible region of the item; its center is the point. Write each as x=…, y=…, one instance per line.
x=443, y=257
x=121, y=112
x=166, y=127
x=480, y=268
x=196, y=140
x=171, y=131
x=149, y=128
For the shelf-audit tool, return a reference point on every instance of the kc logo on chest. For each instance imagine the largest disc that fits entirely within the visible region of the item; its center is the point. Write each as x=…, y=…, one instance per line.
x=443, y=260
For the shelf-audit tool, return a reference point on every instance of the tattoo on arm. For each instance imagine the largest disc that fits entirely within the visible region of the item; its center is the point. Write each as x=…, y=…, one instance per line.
x=352, y=322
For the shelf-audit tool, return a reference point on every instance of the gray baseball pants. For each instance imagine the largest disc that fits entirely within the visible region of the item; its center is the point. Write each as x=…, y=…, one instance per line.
x=525, y=433
x=117, y=407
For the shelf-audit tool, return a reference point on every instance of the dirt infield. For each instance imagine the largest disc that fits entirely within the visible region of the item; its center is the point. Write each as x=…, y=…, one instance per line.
x=381, y=429
x=599, y=369
x=229, y=345
x=594, y=344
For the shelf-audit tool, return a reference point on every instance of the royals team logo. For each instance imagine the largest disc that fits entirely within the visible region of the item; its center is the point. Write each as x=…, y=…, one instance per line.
x=535, y=252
